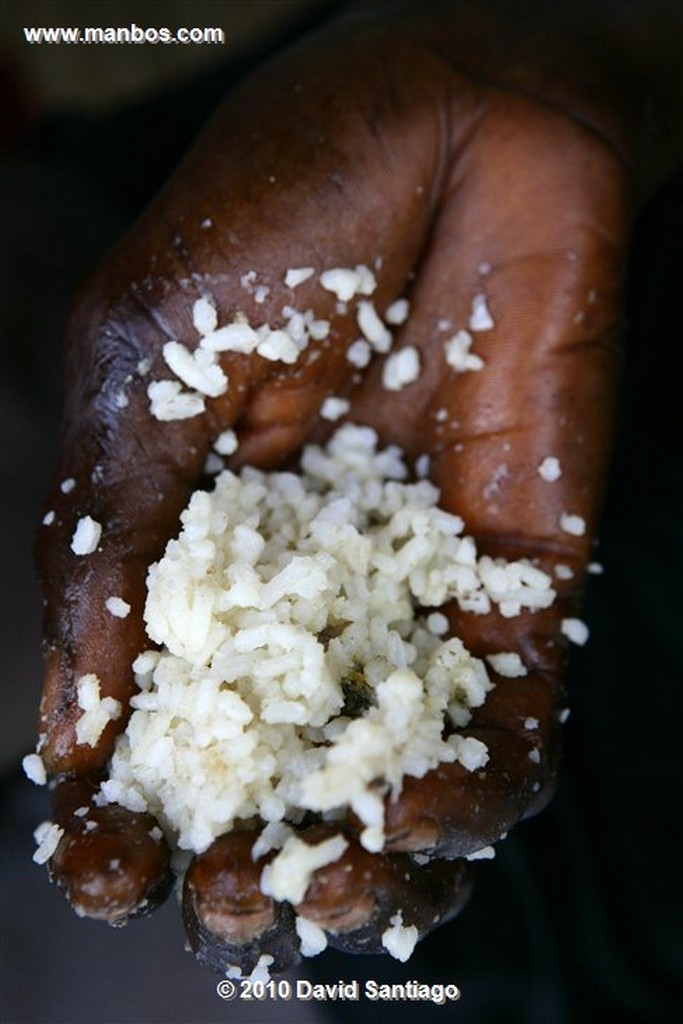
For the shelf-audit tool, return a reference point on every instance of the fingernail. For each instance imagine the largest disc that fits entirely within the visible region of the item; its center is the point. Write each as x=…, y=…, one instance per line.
x=222, y=891
x=421, y=836
x=228, y=920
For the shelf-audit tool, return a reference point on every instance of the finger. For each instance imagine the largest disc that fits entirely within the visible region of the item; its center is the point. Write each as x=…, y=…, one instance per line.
x=230, y=922
x=110, y=863
x=535, y=224
x=357, y=898
x=533, y=221
x=458, y=809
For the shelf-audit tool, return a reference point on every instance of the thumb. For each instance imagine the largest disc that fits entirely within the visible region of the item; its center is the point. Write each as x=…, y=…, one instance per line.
x=114, y=500
x=301, y=199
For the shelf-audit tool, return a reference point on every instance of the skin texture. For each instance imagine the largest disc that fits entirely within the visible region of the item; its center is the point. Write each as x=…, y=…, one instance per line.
x=467, y=168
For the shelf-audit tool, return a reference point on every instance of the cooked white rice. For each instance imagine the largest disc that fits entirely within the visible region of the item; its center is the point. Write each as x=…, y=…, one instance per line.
x=34, y=769
x=359, y=353
x=47, y=836
x=372, y=328
x=204, y=315
x=167, y=401
x=400, y=940
x=117, y=607
x=401, y=368
x=97, y=711
x=480, y=317
x=572, y=524
x=334, y=407
x=346, y=283
x=86, y=536
x=292, y=647
x=507, y=663
x=486, y=853
x=397, y=313
x=226, y=443
x=575, y=630
x=297, y=275
x=288, y=875
x=458, y=355
x=313, y=938
x=198, y=369
x=550, y=469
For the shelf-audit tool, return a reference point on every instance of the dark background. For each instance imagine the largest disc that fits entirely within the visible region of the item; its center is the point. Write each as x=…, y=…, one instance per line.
x=578, y=918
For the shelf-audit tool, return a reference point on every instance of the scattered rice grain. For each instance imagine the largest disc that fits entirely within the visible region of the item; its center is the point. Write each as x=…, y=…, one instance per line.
x=372, y=328
x=34, y=769
x=397, y=313
x=572, y=524
x=480, y=317
x=86, y=536
x=400, y=940
x=313, y=938
x=204, y=315
x=169, y=402
x=550, y=469
x=333, y=407
x=507, y=664
x=575, y=630
x=401, y=368
x=297, y=275
x=47, y=836
x=118, y=607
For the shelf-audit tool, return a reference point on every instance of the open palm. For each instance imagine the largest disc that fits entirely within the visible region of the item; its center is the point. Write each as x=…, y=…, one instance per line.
x=490, y=211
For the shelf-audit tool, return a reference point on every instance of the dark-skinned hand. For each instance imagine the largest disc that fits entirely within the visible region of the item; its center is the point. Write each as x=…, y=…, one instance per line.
x=463, y=152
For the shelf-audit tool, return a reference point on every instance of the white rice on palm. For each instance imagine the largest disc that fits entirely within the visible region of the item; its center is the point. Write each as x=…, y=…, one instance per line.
x=296, y=670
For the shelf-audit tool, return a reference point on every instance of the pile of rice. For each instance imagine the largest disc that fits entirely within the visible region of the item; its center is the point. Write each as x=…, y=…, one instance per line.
x=302, y=664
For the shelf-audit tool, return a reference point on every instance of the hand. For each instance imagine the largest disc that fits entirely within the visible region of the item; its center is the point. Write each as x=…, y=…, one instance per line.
x=416, y=140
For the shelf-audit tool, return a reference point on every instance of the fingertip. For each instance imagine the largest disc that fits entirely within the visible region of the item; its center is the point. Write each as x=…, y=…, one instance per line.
x=339, y=896
x=358, y=898
x=229, y=921
x=111, y=864
x=471, y=808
